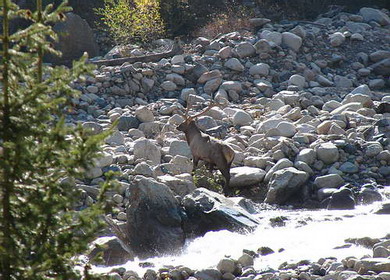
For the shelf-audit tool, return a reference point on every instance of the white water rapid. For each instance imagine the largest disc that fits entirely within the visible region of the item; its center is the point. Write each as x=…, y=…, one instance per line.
x=306, y=235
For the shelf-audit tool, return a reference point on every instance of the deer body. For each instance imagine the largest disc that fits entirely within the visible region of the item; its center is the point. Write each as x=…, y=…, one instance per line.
x=211, y=151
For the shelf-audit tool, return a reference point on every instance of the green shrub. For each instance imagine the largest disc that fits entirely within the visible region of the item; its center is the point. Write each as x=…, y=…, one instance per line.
x=130, y=21
x=41, y=233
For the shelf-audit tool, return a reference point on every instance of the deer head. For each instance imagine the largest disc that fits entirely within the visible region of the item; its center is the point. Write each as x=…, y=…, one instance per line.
x=189, y=121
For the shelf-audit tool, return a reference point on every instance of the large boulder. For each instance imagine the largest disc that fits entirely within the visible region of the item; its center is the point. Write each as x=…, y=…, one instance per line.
x=284, y=184
x=210, y=211
x=112, y=251
x=75, y=38
x=246, y=176
x=342, y=199
x=154, y=218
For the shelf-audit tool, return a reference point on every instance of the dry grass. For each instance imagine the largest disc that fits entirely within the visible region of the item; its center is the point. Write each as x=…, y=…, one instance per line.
x=233, y=19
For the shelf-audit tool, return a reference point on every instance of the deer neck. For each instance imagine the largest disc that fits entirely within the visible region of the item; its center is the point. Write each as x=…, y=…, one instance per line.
x=192, y=132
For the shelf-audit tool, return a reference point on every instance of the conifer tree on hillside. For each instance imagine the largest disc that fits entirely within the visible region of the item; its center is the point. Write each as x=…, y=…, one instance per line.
x=40, y=232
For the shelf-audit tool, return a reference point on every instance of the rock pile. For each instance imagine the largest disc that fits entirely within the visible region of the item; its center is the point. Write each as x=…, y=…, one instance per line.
x=306, y=109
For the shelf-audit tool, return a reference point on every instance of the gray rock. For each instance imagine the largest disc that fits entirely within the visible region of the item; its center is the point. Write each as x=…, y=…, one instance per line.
x=291, y=40
x=232, y=85
x=337, y=39
x=245, y=260
x=225, y=52
x=180, y=186
x=143, y=169
x=144, y=114
x=285, y=183
x=75, y=38
x=113, y=252
x=341, y=199
x=211, y=86
x=226, y=266
x=127, y=122
x=210, y=75
x=242, y=118
x=176, y=78
x=370, y=14
x=382, y=67
x=209, y=211
x=349, y=167
x=342, y=82
x=154, y=218
x=328, y=153
x=379, y=55
x=179, y=147
x=262, y=46
x=329, y=181
x=208, y=274
x=145, y=149
x=306, y=155
x=150, y=129
x=377, y=265
x=93, y=128
x=381, y=252
x=261, y=69
x=245, y=49
x=259, y=22
x=234, y=64
x=324, y=81
x=373, y=149
x=116, y=139
x=272, y=36
x=281, y=164
x=297, y=80
x=168, y=86
x=246, y=176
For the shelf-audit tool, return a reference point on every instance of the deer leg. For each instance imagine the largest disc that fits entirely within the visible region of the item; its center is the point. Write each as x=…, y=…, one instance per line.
x=195, y=161
x=226, y=188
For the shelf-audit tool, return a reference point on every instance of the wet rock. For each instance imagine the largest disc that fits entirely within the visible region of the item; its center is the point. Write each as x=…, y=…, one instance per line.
x=329, y=181
x=383, y=209
x=341, y=200
x=372, y=264
x=380, y=252
x=285, y=183
x=245, y=176
x=226, y=266
x=368, y=195
x=154, y=218
x=208, y=274
x=113, y=252
x=245, y=260
x=209, y=211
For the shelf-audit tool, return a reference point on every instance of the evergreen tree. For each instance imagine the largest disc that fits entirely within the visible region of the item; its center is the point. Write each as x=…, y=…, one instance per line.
x=41, y=232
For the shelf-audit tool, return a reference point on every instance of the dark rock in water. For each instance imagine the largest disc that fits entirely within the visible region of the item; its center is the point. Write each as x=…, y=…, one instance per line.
x=384, y=209
x=209, y=211
x=368, y=196
x=75, y=38
x=113, y=252
x=127, y=122
x=154, y=218
x=263, y=251
x=208, y=274
x=342, y=199
x=383, y=107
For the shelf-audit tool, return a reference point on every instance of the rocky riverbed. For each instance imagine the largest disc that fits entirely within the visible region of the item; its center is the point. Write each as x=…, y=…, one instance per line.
x=304, y=105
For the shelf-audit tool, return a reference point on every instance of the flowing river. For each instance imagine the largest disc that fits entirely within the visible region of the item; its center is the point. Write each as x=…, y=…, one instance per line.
x=304, y=235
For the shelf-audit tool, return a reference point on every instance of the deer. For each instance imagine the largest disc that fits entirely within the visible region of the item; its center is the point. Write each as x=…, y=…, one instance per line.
x=203, y=147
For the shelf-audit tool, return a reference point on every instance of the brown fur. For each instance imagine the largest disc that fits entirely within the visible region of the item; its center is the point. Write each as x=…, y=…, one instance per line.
x=212, y=151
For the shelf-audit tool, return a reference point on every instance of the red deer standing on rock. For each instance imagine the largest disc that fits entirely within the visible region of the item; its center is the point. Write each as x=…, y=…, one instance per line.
x=212, y=151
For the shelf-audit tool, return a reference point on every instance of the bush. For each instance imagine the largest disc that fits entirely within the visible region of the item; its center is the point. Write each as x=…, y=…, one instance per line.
x=132, y=21
x=41, y=233
x=232, y=19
